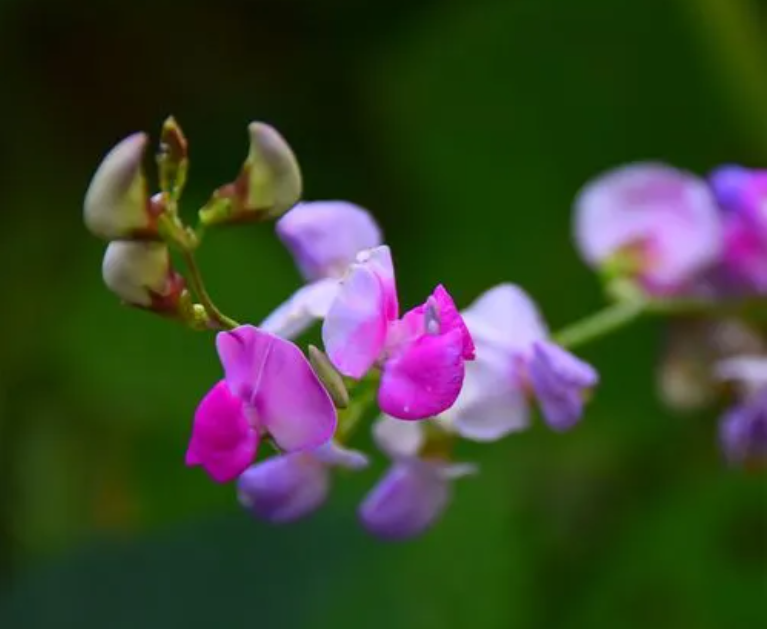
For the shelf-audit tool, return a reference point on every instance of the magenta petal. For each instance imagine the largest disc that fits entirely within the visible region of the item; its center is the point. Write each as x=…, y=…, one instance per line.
x=243, y=353
x=425, y=378
x=222, y=442
x=354, y=330
x=289, y=400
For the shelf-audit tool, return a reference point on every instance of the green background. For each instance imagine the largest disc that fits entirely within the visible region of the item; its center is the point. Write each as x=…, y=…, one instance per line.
x=466, y=128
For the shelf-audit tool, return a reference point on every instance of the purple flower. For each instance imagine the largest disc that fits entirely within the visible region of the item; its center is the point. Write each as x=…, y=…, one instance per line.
x=415, y=491
x=269, y=387
x=650, y=222
x=324, y=238
x=421, y=355
x=743, y=432
x=515, y=359
x=742, y=195
x=290, y=486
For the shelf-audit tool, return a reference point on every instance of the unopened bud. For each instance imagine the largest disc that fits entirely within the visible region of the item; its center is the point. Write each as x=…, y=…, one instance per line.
x=117, y=204
x=269, y=183
x=141, y=274
x=329, y=376
x=172, y=159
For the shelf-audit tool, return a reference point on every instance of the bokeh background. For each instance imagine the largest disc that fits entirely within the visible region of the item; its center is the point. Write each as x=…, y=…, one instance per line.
x=467, y=128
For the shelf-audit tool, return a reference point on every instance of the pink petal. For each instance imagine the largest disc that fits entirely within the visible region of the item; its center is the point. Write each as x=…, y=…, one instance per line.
x=222, y=442
x=307, y=305
x=354, y=330
x=289, y=400
x=378, y=260
x=425, y=378
x=243, y=353
x=506, y=319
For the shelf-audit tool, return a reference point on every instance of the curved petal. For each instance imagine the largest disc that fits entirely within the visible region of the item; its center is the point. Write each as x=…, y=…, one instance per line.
x=284, y=488
x=307, y=305
x=325, y=237
x=505, y=317
x=243, y=353
x=333, y=455
x=406, y=502
x=288, y=398
x=397, y=438
x=354, y=330
x=425, y=378
x=222, y=442
x=378, y=260
x=559, y=379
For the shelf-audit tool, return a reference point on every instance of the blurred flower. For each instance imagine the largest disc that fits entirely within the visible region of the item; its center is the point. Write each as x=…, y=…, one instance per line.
x=140, y=273
x=742, y=195
x=515, y=360
x=324, y=238
x=415, y=491
x=269, y=387
x=268, y=185
x=743, y=429
x=290, y=486
x=421, y=355
x=117, y=204
x=651, y=223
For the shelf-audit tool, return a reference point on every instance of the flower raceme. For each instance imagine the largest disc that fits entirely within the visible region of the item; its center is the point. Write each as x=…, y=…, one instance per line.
x=268, y=388
x=421, y=355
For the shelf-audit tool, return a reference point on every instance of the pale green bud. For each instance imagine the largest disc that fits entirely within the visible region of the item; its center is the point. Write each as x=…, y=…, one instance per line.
x=329, y=376
x=117, y=204
x=141, y=274
x=269, y=183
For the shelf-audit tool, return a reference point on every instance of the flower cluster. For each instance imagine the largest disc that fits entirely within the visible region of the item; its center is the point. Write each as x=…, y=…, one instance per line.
x=664, y=242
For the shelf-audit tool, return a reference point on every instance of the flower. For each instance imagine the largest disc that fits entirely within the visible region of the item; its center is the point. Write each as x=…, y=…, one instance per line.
x=290, y=486
x=515, y=360
x=324, y=238
x=117, y=204
x=651, y=223
x=743, y=429
x=415, y=491
x=141, y=274
x=268, y=387
x=421, y=355
x=742, y=196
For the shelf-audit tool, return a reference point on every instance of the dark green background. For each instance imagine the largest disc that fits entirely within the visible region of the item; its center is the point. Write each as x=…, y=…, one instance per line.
x=466, y=127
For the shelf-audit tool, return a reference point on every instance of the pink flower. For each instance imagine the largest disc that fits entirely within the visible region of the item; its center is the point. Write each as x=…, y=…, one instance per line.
x=650, y=222
x=268, y=387
x=421, y=355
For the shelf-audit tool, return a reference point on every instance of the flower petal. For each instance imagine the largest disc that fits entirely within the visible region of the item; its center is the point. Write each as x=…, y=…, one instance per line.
x=332, y=454
x=324, y=237
x=559, y=380
x=379, y=261
x=243, y=353
x=505, y=317
x=670, y=215
x=491, y=404
x=397, y=438
x=305, y=306
x=222, y=442
x=743, y=432
x=354, y=330
x=406, y=502
x=284, y=488
x=424, y=378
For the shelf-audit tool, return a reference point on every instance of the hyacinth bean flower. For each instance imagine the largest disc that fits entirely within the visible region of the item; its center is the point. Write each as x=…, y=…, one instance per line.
x=650, y=223
x=416, y=489
x=288, y=487
x=324, y=238
x=421, y=356
x=268, y=388
x=742, y=196
x=516, y=361
x=743, y=429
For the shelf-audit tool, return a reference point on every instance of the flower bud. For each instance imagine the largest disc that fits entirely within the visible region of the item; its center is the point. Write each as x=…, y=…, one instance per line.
x=172, y=160
x=140, y=273
x=117, y=204
x=329, y=377
x=269, y=183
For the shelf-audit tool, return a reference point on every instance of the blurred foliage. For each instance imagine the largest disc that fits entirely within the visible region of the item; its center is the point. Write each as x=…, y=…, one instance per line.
x=466, y=128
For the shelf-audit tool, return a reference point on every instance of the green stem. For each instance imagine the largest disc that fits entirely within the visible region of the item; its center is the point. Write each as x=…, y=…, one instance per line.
x=198, y=286
x=601, y=323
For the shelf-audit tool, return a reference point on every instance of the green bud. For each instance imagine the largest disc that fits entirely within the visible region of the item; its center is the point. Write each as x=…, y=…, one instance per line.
x=141, y=274
x=268, y=185
x=117, y=204
x=329, y=376
x=172, y=159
